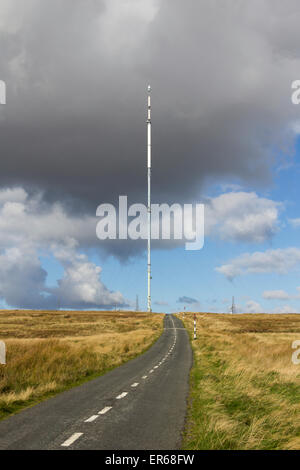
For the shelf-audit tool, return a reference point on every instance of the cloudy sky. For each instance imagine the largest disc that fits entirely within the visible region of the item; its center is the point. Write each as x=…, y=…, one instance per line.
x=225, y=133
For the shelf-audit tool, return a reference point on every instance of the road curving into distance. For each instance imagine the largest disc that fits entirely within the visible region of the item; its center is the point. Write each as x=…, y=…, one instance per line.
x=139, y=405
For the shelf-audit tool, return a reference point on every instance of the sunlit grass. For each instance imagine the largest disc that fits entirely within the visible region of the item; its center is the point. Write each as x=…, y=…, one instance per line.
x=245, y=390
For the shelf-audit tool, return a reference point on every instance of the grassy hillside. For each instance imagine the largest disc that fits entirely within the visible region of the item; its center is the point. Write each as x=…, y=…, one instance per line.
x=48, y=352
x=245, y=390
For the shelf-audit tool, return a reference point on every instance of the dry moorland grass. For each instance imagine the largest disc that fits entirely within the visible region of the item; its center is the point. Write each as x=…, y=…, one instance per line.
x=245, y=390
x=50, y=351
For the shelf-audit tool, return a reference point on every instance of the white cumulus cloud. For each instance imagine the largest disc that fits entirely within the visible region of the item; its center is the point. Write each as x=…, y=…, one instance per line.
x=295, y=222
x=242, y=216
x=286, y=309
x=29, y=227
x=253, y=307
x=275, y=295
x=281, y=260
x=80, y=285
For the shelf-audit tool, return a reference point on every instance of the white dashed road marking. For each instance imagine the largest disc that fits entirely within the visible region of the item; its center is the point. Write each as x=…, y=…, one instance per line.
x=77, y=435
x=91, y=419
x=105, y=410
x=72, y=439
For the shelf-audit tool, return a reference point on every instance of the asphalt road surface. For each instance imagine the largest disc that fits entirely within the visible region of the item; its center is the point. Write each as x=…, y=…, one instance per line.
x=140, y=405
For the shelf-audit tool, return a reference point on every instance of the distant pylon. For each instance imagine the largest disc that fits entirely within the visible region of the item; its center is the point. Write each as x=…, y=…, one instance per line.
x=232, y=306
x=137, y=308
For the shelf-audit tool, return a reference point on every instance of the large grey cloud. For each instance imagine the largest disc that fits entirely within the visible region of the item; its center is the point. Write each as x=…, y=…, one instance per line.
x=76, y=73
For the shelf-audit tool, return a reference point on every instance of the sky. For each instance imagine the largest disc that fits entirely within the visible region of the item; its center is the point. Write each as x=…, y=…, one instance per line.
x=225, y=134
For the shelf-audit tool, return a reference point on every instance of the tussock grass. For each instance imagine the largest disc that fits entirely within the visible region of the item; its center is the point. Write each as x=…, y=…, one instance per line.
x=245, y=390
x=48, y=352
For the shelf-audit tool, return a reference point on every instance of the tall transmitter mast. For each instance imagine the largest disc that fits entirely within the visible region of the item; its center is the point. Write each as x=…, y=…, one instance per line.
x=149, y=196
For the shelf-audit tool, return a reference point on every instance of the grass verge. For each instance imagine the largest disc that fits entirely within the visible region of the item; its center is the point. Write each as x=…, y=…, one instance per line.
x=245, y=390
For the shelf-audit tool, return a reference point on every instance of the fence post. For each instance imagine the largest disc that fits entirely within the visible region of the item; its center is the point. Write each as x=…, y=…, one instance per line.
x=2, y=353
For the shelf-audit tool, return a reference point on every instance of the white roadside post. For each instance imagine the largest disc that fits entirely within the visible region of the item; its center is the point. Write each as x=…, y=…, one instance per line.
x=2, y=353
x=195, y=327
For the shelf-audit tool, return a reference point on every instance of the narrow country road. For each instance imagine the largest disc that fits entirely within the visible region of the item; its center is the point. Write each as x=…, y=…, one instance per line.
x=140, y=405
